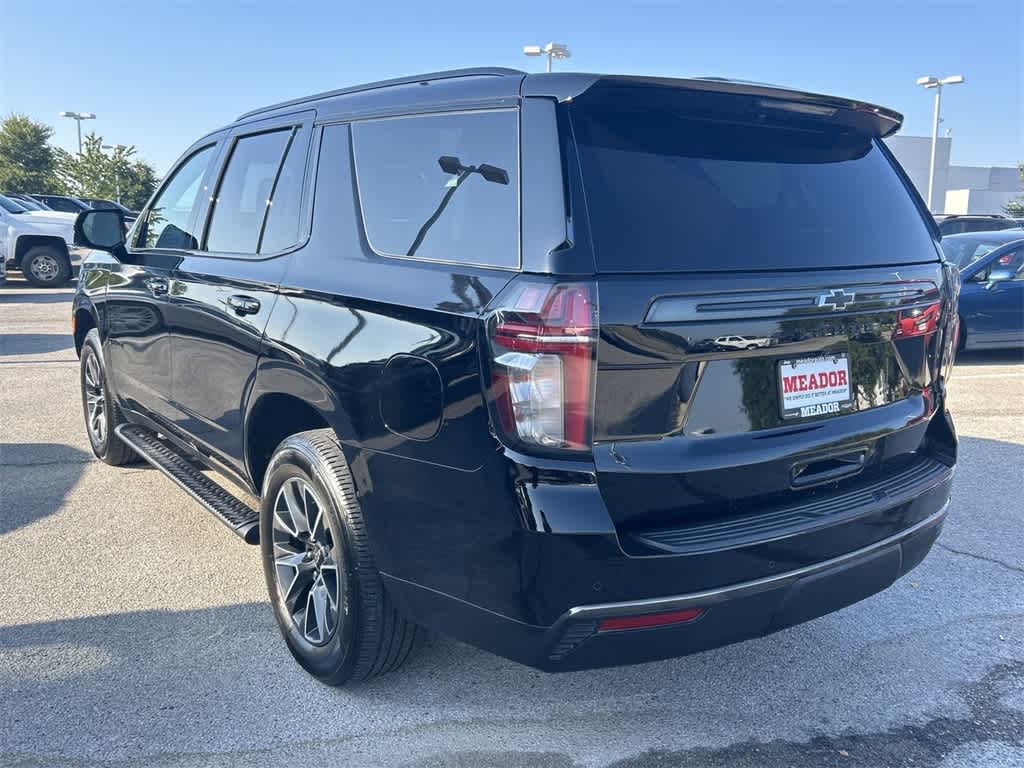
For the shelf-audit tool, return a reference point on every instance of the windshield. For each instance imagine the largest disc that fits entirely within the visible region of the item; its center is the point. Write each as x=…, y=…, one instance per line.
x=966, y=250
x=10, y=206
x=667, y=189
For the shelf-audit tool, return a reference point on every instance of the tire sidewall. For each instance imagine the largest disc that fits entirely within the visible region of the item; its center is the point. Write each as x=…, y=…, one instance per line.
x=64, y=267
x=337, y=658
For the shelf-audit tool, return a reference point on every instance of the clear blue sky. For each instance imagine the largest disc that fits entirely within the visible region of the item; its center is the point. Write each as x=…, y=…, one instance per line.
x=158, y=76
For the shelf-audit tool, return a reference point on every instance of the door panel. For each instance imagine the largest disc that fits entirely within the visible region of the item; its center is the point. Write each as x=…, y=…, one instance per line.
x=218, y=310
x=994, y=312
x=138, y=348
x=221, y=298
x=1007, y=299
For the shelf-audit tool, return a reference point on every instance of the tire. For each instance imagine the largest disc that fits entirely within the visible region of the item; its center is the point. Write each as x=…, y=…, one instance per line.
x=99, y=407
x=362, y=635
x=46, y=267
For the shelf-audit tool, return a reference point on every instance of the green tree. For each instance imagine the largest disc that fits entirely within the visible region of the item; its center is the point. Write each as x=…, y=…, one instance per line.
x=1016, y=206
x=137, y=183
x=111, y=175
x=27, y=161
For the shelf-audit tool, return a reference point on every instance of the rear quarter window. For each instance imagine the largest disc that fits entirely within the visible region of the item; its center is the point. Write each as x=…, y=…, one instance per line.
x=441, y=187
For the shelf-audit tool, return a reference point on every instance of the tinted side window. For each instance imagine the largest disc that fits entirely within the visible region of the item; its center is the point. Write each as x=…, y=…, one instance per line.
x=441, y=187
x=282, y=226
x=60, y=204
x=169, y=218
x=244, y=193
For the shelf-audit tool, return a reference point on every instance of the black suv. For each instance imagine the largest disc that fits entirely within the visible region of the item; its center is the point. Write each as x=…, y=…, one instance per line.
x=62, y=203
x=455, y=340
x=956, y=224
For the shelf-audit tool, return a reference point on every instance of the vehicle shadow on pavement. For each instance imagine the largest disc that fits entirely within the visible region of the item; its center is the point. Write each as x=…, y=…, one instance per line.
x=35, y=479
x=26, y=293
x=901, y=678
x=989, y=357
x=215, y=687
x=12, y=344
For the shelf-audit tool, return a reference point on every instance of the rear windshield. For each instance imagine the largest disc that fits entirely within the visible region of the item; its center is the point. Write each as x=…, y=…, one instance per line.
x=667, y=190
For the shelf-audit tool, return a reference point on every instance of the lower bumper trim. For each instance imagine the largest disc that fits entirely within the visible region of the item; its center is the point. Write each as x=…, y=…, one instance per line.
x=745, y=589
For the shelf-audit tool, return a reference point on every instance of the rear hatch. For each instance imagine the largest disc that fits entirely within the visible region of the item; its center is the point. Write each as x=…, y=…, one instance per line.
x=770, y=304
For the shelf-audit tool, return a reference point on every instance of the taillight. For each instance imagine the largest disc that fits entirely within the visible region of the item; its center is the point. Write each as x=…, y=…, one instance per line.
x=919, y=321
x=543, y=339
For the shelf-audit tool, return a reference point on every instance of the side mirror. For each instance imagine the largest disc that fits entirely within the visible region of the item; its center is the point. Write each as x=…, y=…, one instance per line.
x=102, y=230
x=999, y=276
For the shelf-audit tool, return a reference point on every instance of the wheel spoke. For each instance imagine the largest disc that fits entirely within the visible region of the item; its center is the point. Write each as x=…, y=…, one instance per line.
x=294, y=497
x=280, y=510
x=316, y=530
x=293, y=560
x=329, y=578
x=287, y=546
x=92, y=378
x=318, y=601
x=299, y=580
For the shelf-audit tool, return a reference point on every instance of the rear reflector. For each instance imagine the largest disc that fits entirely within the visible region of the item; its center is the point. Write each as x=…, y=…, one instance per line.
x=649, y=620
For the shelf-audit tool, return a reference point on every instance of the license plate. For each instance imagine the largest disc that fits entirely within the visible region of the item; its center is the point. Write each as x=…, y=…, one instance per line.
x=814, y=386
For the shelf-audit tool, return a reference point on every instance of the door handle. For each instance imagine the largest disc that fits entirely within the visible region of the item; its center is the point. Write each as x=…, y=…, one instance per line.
x=828, y=468
x=158, y=286
x=244, y=305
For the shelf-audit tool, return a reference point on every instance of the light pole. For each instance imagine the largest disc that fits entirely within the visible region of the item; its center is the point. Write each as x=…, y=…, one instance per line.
x=551, y=50
x=117, y=177
x=934, y=82
x=78, y=117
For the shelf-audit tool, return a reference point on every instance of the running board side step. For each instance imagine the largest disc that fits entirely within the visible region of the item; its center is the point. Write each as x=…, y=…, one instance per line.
x=233, y=512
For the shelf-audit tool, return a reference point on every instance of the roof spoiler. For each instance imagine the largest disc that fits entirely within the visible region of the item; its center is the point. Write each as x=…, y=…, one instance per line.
x=750, y=99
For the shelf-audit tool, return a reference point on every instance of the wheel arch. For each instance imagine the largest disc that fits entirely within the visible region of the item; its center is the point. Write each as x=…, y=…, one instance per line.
x=83, y=320
x=25, y=243
x=286, y=399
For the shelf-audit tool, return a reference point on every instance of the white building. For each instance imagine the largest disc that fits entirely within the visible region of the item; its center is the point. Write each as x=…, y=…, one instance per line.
x=958, y=188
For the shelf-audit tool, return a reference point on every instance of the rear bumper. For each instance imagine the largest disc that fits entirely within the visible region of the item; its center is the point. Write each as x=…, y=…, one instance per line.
x=730, y=614
x=739, y=611
x=537, y=592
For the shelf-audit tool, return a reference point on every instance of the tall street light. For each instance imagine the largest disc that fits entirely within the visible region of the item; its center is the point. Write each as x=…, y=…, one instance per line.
x=78, y=117
x=117, y=176
x=551, y=50
x=934, y=82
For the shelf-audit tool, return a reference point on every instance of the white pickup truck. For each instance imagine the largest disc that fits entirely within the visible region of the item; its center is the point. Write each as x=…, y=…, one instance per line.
x=39, y=243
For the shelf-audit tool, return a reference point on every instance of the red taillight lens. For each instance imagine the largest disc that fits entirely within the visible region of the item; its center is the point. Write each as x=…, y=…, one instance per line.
x=649, y=620
x=920, y=321
x=543, y=343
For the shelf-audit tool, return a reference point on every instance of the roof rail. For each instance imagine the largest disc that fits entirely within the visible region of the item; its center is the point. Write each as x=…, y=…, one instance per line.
x=445, y=75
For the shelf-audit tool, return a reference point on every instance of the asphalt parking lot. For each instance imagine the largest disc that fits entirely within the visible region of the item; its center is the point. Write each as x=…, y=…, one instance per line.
x=134, y=630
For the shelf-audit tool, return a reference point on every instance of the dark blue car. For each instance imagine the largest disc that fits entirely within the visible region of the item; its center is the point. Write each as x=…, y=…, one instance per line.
x=992, y=297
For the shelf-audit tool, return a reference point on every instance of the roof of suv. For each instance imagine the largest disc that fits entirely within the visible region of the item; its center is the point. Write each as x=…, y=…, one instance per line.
x=975, y=216
x=465, y=86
